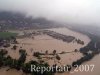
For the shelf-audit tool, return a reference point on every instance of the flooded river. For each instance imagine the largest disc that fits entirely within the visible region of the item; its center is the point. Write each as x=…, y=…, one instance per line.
x=42, y=43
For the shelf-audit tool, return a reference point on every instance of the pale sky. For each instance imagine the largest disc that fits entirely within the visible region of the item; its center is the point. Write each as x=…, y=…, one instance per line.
x=69, y=11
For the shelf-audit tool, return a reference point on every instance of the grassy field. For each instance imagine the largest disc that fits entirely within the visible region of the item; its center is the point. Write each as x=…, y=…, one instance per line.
x=7, y=34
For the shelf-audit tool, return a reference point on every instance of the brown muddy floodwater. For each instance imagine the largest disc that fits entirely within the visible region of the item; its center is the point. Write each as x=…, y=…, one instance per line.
x=41, y=43
x=96, y=71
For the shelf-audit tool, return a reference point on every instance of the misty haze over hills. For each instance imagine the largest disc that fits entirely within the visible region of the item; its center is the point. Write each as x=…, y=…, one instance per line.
x=19, y=20
x=82, y=12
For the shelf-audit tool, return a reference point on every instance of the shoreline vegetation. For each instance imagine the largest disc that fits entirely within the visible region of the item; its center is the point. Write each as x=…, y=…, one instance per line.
x=88, y=52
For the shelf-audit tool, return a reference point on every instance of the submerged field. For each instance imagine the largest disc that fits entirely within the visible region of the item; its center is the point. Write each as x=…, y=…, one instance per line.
x=7, y=34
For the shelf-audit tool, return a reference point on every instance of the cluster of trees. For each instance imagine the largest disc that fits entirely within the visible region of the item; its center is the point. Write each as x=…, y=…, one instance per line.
x=83, y=59
x=79, y=41
x=14, y=47
x=36, y=54
x=59, y=36
x=5, y=42
x=19, y=64
x=92, y=46
x=6, y=60
x=58, y=57
x=26, y=68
